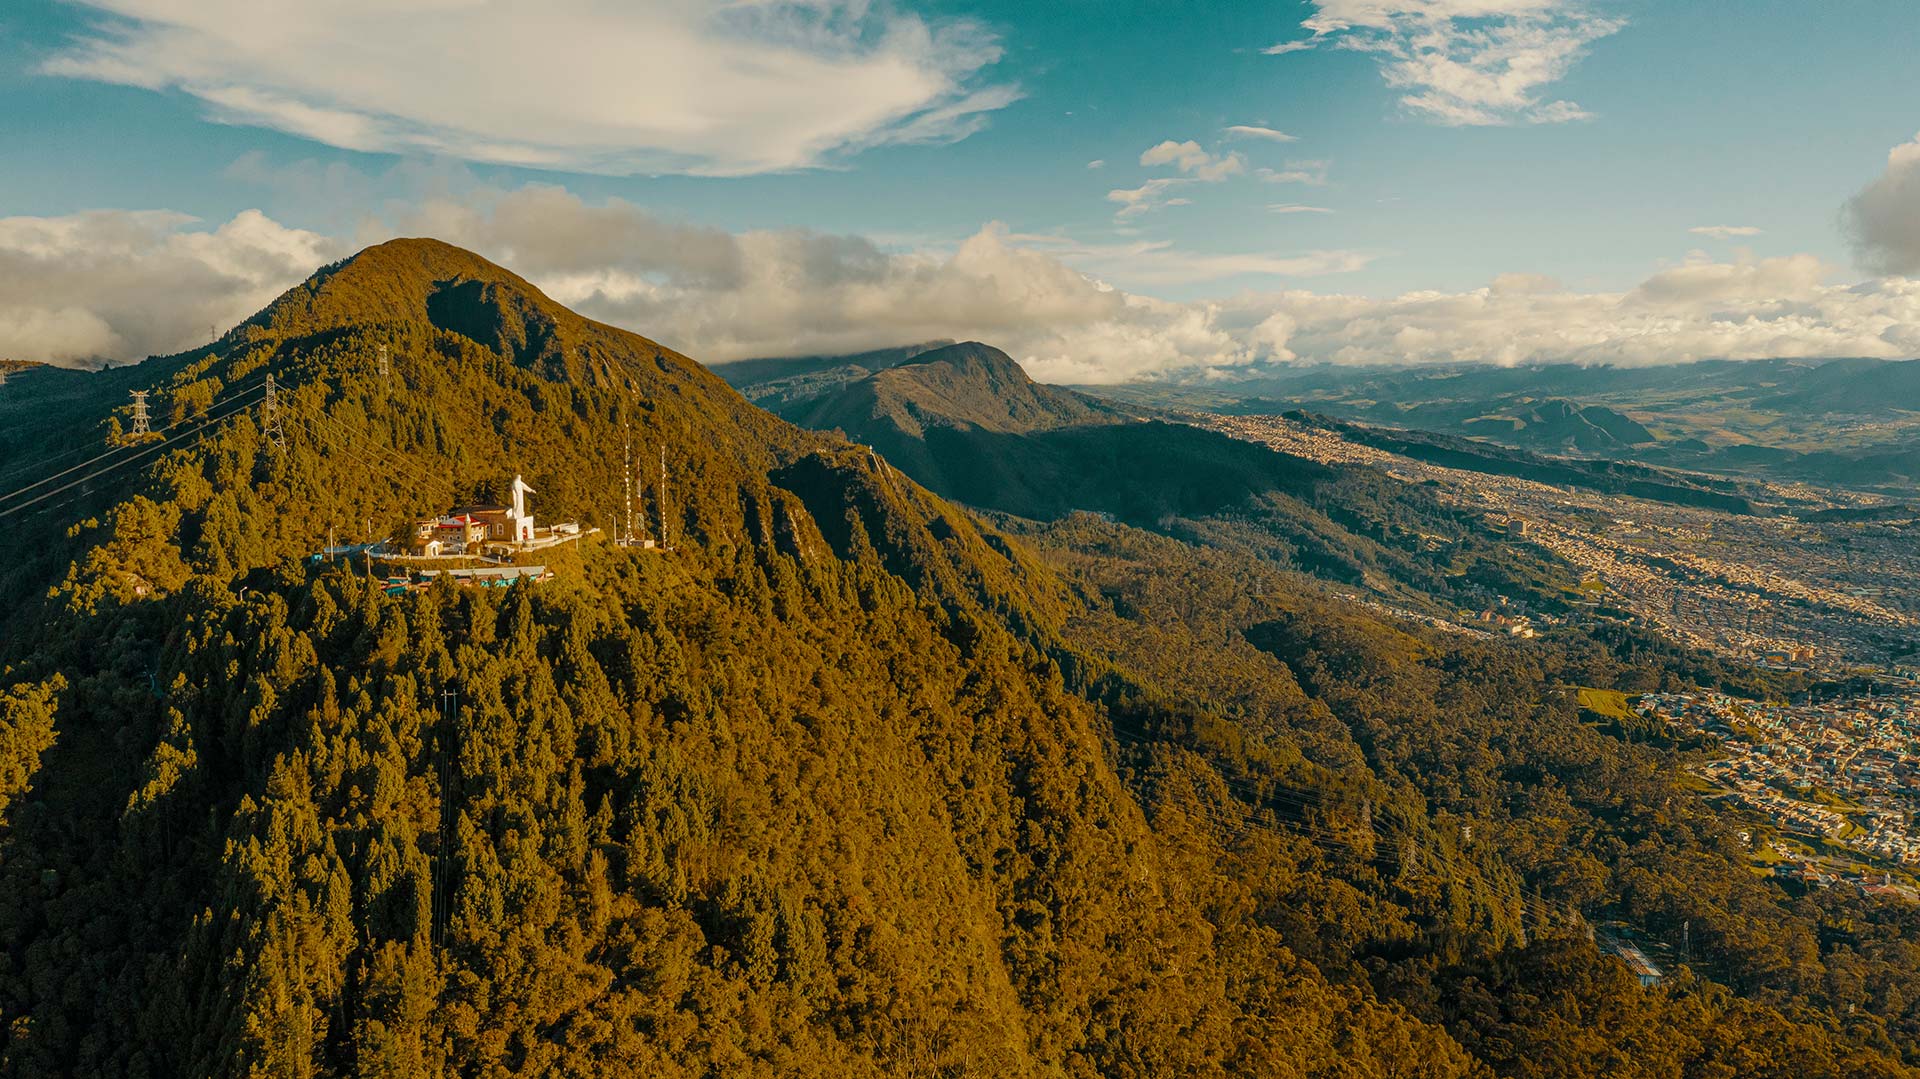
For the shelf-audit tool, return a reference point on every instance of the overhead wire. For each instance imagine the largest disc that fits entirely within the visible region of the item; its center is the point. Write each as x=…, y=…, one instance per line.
x=139, y=453
x=103, y=456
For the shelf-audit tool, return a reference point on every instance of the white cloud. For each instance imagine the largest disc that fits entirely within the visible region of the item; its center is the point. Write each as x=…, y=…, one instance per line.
x=1149, y=196
x=1296, y=208
x=1311, y=173
x=1193, y=161
x=1097, y=164
x=1748, y=309
x=1883, y=220
x=1465, y=62
x=121, y=285
x=1249, y=131
x=1724, y=232
x=727, y=87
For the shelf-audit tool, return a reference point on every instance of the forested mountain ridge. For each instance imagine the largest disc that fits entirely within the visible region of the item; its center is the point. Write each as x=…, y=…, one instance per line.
x=847, y=783
x=967, y=385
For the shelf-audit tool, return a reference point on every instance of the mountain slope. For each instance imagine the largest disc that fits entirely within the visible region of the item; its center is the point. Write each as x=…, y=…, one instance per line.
x=847, y=783
x=967, y=386
x=1561, y=424
x=804, y=796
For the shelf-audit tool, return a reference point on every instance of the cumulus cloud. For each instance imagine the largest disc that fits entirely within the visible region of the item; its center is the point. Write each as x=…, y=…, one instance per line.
x=121, y=285
x=730, y=87
x=1748, y=309
x=1724, y=232
x=1883, y=220
x=1250, y=131
x=1195, y=165
x=1193, y=161
x=1464, y=62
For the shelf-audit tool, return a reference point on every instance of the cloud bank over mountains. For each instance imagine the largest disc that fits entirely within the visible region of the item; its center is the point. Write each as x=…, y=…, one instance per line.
x=124, y=284
x=728, y=87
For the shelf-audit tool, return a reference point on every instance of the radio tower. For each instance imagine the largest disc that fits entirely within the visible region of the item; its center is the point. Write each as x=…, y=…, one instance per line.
x=270, y=417
x=626, y=481
x=385, y=371
x=139, y=412
x=663, y=496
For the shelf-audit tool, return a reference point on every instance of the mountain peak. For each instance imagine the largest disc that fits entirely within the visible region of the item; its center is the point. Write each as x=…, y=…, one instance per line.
x=396, y=281
x=973, y=357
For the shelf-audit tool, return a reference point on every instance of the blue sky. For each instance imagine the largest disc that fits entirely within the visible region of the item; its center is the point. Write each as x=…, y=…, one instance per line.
x=1585, y=146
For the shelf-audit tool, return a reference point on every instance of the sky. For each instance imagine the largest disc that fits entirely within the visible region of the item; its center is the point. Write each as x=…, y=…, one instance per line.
x=1109, y=190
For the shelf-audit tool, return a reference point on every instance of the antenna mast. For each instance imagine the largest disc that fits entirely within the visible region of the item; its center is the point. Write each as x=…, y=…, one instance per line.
x=626, y=480
x=385, y=370
x=663, y=496
x=139, y=412
x=270, y=417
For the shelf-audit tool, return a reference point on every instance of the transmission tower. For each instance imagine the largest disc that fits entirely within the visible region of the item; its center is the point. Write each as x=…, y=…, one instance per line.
x=139, y=412
x=385, y=370
x=270, y=417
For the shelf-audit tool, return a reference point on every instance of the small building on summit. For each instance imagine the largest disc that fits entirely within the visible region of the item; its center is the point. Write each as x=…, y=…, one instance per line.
x=506, y=524
x=455, y=533
x=489, y=530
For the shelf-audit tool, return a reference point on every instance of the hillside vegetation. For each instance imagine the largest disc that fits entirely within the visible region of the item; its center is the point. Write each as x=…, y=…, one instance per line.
x=849, y=782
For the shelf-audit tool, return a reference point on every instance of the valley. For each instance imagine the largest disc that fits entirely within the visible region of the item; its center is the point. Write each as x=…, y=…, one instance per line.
x=1794, y=590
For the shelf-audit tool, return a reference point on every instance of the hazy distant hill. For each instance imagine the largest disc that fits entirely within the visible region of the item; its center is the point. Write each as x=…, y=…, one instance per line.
x=1863, y=387
x=1558, y=423
x=1849, y=422
x=772, y=383
x=967, y=386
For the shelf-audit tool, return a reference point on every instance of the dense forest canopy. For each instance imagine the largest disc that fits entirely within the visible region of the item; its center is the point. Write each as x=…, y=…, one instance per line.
x=851, y=781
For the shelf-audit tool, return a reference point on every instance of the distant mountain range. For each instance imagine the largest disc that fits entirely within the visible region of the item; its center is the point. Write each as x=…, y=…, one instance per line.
x=1842, y=422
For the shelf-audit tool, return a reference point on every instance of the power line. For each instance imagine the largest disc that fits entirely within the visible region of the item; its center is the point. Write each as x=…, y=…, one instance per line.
x=138, y=455
x=270, y=417
x=231, y=395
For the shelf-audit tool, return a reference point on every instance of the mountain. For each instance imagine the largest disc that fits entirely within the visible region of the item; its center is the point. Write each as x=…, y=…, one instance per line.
x=967, y=386
x=1857, y=387
x=772, y=383
x=844, y=780
x=1784, y=418
x=967, y=422
x=1561, y=424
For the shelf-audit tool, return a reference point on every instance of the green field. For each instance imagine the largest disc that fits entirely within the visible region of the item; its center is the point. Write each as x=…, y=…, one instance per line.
x=1610, y=703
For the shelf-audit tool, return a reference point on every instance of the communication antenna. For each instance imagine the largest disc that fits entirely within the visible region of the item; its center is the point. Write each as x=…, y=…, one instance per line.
x=139, y=412
x=663, y=496
x=385, y=370
x=270, y=417
x=626, y=480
